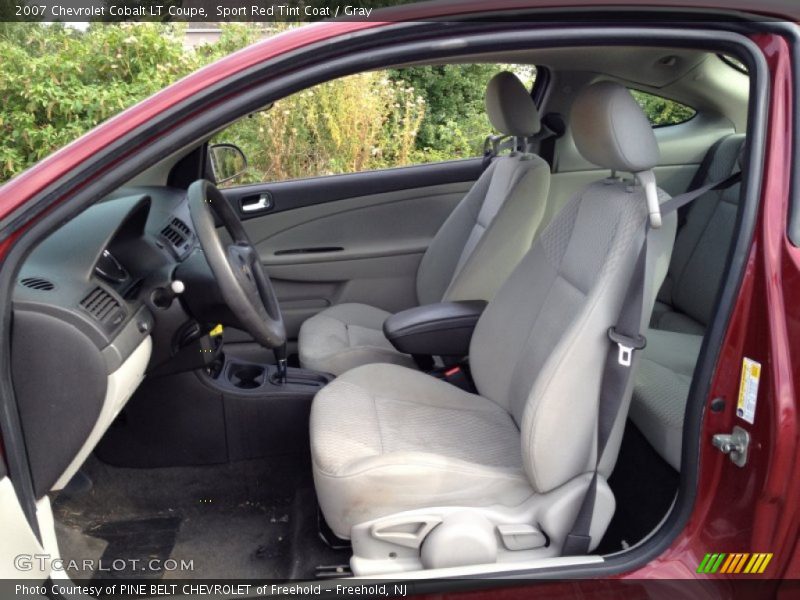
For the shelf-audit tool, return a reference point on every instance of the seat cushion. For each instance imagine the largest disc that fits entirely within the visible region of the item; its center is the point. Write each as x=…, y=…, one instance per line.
x=346, y=336
x=385, y=439
x=662, y=388
x=667, y=318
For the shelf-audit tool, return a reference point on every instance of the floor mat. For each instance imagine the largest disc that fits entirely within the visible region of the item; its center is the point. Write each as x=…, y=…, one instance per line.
x=137, y=542
x=251, y=519
x=644, y=485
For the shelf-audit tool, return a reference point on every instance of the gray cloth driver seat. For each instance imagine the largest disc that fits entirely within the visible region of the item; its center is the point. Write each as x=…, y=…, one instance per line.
x=470, y=256
x=418, y=473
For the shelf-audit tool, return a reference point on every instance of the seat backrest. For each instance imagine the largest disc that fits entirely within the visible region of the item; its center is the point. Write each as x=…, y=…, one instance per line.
x=490, y=230
x=702, y=245
x=540, y=346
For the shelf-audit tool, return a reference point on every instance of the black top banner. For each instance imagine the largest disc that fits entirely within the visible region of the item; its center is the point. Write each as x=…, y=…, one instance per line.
x=208, y=11
x=213, y=12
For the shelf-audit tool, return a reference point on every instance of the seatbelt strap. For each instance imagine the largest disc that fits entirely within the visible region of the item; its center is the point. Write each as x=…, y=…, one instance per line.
x=683, y=199
x=702, y=172
x=616, y=373
x=626, y=337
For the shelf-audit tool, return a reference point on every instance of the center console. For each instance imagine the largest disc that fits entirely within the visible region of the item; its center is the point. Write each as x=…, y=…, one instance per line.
x=227, y=408
x=243, y=377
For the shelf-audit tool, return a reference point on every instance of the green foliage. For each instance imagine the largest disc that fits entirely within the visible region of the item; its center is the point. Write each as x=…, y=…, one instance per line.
x=455, y=123
x=661, y=111
x=57, y=83
x=355, y=123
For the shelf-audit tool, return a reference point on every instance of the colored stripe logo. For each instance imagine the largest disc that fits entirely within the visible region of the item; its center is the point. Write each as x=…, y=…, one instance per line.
x=732, y=564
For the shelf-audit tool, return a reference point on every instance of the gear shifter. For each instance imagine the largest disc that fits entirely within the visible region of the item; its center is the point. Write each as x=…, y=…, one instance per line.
x=280, y=360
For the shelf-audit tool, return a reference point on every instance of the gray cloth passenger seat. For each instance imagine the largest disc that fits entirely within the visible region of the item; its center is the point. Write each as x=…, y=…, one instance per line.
x=685, y=305
x=471, y=255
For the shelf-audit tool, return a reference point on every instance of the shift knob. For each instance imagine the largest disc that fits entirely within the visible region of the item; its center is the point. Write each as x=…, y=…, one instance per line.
x=163, y=296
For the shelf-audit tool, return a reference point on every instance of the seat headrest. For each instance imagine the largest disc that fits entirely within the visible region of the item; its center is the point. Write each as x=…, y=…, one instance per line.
x=510, y=107
x=611, y=130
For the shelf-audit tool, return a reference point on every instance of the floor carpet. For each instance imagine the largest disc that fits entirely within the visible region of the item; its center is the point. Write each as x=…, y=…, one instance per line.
x=644, y=485
x=245, y=520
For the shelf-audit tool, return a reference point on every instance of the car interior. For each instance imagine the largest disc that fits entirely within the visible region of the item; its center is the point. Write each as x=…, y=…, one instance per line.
x=393, y=372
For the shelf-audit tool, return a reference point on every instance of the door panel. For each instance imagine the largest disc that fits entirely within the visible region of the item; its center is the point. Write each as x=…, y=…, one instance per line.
x=321, y=247
x=371, y=226
x=305, y=289
x=312, y=191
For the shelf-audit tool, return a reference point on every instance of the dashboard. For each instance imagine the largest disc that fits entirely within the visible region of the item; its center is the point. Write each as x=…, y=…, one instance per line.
x=92, y=271
x=84, y=321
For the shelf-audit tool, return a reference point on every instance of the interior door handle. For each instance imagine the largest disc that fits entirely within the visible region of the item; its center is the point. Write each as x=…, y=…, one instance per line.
x=254, y=204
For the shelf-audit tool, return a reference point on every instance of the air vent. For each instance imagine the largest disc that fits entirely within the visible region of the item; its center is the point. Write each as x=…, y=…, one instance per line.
x=176, y=232
x=37, y=283
x=178, y=235
x=102, y=306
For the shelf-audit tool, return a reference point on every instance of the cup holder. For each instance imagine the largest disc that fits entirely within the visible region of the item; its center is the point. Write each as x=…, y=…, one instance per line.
x=246, y=377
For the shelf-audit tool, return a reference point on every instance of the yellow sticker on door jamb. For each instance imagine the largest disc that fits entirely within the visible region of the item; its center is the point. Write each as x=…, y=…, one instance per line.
x=748, y=390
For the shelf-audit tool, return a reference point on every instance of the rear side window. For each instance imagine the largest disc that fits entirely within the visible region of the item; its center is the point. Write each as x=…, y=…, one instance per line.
x=662, y=111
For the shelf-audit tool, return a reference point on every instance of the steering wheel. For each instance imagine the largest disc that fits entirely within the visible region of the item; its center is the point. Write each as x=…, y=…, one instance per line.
x=244, y=285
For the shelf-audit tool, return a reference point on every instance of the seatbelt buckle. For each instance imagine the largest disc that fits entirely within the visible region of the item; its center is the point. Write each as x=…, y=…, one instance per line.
x=457, y=377
x=626, y=345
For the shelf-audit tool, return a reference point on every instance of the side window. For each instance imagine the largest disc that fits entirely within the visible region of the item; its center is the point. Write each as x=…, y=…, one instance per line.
x=372, y=120
x=662, y=111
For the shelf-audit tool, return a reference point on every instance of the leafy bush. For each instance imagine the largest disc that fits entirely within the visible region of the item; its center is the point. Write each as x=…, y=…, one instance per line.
x=355, y=123
x=661, y=111
x=455, y=123
x=403, y=116
x=57, y=83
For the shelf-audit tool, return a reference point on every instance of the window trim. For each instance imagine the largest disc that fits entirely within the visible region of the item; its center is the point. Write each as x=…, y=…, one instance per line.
x=540, y=85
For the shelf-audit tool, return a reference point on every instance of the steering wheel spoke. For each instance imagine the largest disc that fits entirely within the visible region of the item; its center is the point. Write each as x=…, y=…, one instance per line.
x=237, y=267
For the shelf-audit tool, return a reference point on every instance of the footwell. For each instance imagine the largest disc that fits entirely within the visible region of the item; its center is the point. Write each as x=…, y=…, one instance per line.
x=249, y=520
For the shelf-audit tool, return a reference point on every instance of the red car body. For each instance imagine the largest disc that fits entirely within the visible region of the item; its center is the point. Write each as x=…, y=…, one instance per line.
x=755, y=509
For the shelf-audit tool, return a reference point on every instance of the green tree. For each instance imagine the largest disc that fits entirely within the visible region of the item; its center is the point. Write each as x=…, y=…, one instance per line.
x=455, y=123
x=57, y=83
